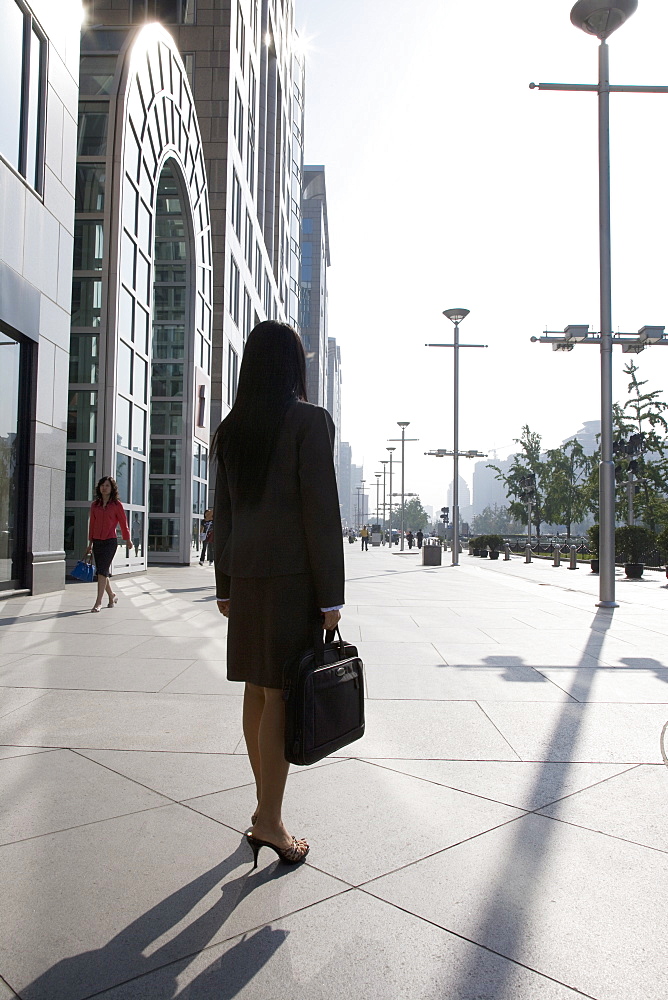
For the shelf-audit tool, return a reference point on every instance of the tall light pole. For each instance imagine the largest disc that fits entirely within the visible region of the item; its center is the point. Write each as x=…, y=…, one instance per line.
x=360, y=509
x=389, y=526
x=384, y=462
x=456, y=316
x=403, y=424
x=377, y=475
x=441, y=453
x=601, y=18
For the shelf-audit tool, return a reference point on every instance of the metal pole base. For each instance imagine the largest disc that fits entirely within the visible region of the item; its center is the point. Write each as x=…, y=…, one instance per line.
x=607, y=604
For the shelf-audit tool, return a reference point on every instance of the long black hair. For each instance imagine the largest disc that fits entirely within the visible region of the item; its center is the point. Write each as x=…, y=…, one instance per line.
x=271, y=378
x=113, y=496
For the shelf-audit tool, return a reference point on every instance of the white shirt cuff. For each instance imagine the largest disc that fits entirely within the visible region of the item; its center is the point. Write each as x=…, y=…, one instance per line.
x=336, y=608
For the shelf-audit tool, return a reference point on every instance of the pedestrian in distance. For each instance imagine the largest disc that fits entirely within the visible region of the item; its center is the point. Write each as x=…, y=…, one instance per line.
x=275, y=466
x=364, y=535
x=106, y=514
x=419, y=535
x=409, y=539
x=206, y=537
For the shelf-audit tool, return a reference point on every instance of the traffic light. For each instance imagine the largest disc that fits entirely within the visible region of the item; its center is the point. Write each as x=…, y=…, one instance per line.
x=445, y=515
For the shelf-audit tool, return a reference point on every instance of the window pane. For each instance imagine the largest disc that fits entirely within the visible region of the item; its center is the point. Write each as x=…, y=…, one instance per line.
x=92, y=134
x=139, y=430
x=82, y=416
x=166, y=417
x=163, y=534
x=122, y=422
x=169, y=341
x=167, y=380
x=137, y=532
x=164, y=496
x=169, y=303
x=84, y=358
x=96, y=75
x=86, y=301
x=76, y=531
x=138, y=482
x=32, y=170
x=79, y=474
x=11, y=70
x=141, y=371
x=89, y=195
x=124, y=368
x=88, y=246
x=166, y=458
x=123, y=476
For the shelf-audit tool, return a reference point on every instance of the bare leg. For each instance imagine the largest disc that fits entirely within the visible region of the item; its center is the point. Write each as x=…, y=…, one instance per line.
x=110, y=593
x=102, y=582
x=273, y=771
x=252, y=714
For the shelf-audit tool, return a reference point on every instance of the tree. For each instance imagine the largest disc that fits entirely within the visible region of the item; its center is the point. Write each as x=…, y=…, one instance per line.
x=415, y=516
x=525, y=463
x=566, y=474
x=643, y=415
x=494, y=520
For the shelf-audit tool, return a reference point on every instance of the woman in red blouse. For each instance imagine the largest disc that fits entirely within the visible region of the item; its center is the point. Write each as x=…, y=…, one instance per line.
x=106, y=511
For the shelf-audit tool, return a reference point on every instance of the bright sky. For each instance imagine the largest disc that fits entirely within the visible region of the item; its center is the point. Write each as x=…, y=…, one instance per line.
x=451, y=184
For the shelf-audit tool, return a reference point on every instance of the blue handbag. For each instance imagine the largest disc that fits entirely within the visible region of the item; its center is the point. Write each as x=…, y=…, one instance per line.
x=83, y=571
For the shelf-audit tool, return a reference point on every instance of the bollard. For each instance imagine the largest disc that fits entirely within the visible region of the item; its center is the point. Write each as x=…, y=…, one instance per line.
x=557, y=556
x=574, y=559
x=527, y=553
x=506, y=558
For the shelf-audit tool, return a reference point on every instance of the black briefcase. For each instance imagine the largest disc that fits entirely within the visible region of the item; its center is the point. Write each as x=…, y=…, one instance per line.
x=324, y=700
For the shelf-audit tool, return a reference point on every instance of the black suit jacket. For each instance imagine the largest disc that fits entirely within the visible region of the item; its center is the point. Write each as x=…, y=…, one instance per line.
x=296, y=525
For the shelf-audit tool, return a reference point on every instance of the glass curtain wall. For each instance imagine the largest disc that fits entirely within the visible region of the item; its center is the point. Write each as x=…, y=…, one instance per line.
x=170, y=432
x=12, y=459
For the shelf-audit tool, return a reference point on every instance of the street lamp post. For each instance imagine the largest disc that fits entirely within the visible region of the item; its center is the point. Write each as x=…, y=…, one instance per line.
x=456, y=316
x=389, y=526
x=384, y=462
x=601, y=18
x=403, y=424
x=377, y=475
x=442, y=453
x=360, y=507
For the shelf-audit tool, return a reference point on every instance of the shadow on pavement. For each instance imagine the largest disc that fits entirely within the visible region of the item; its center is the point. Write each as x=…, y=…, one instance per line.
x=129, y=954
x=501, y=926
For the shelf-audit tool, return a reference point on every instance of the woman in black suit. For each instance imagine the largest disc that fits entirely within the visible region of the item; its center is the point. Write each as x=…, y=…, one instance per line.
x=278, y=552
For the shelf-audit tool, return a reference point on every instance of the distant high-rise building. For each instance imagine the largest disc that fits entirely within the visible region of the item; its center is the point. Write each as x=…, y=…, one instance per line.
x=334, y=392
x=488, y=491
x=587, y=436
x=359, y=499
x=345, y=483
x=313, y=292
x=465, y=508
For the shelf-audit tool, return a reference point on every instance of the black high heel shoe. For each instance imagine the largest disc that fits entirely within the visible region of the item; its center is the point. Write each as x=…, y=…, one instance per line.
x=288, y=855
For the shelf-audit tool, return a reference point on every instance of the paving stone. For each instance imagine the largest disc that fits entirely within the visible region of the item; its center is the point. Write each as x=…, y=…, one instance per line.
x=581, y=907
x=418, y=816
x=517, y=783
x=45, y=792
x=93, y=673
x=21, y=751
x=12, y=699
x=177, y=775
x=625, y=806
x=123, y=721
x=150, y=888
x=614, y=684
x=511, y=683
x=349, y=946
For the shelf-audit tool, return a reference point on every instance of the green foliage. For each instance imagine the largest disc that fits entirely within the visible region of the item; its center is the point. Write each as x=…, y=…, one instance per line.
x=662, y=543
x=494, y=543
x=480, y=543
x=566, y=471
x=496, y=519
x=526, y=462
x=593, y=534
x=633, y=542
x=415, y=516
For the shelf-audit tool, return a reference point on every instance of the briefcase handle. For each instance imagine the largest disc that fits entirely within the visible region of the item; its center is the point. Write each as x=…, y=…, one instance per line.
x=319, y=643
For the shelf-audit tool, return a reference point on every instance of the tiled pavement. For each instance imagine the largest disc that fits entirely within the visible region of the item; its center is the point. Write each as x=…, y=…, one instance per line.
x=499, y=834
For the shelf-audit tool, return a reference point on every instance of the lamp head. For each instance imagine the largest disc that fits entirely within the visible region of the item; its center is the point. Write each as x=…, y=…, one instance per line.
x=403, y=423
x=602, y=17
x=456, y=315
x=390, y=450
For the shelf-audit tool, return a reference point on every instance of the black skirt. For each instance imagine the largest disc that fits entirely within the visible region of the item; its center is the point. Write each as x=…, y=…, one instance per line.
x=104, y=550
x=271, y=623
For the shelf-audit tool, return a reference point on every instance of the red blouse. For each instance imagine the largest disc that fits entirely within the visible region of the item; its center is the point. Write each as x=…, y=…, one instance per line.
x=103, y=521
